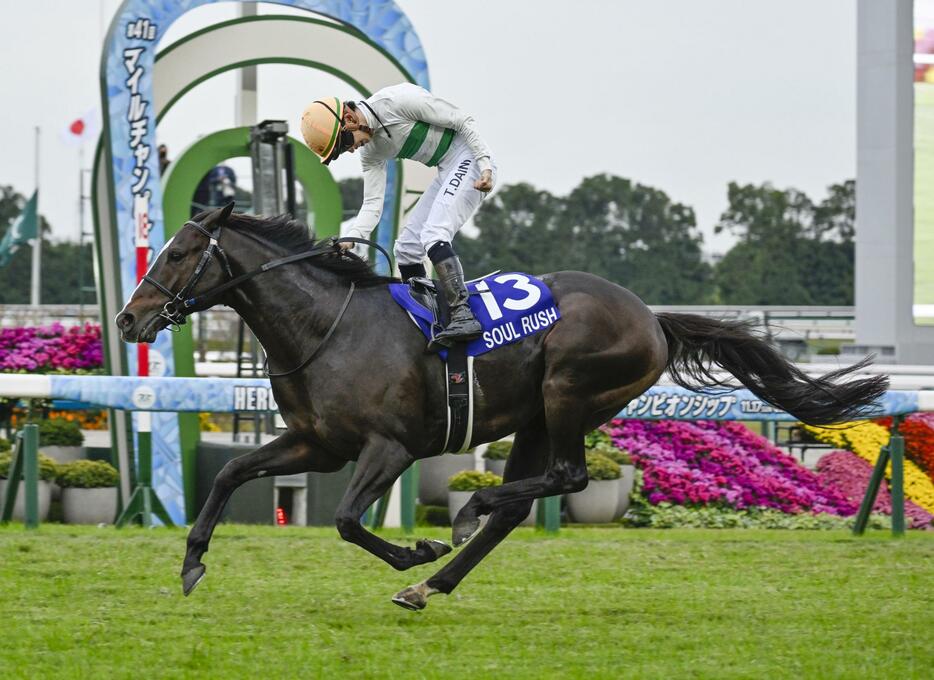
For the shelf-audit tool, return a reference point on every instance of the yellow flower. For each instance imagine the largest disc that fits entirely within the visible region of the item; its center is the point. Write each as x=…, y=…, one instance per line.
x=866, y=440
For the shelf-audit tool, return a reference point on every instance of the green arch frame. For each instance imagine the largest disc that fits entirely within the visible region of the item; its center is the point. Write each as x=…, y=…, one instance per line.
x=181, y=181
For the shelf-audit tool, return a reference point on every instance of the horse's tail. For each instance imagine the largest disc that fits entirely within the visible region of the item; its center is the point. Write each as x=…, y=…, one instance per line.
x=697, y=342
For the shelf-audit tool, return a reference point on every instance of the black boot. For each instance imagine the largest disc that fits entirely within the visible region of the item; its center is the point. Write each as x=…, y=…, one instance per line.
x=463, y=325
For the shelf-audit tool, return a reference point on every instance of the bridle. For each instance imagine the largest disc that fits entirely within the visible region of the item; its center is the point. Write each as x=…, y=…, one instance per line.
x=182, y=303
x=174, y=310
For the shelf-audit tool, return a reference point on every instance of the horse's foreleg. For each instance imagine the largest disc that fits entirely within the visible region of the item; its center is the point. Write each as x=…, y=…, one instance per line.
x=528, y=458
x=288, y=454
x=381, y=462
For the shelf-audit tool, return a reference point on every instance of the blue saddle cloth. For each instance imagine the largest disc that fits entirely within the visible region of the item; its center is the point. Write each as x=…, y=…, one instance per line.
x=509, y=306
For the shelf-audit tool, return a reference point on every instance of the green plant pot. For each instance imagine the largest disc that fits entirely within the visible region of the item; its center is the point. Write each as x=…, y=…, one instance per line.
x=19, y=507
x=89, y=506
x=596, y=504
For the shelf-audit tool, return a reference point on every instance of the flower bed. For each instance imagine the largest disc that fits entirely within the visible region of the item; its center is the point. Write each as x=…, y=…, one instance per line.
x=850, y=474
x=721, y=464
x=51, y=349
x=866, y=439
x=918, y=431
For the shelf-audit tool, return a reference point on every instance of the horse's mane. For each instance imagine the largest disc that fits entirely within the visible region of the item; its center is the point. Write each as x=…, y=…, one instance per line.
x=292, y=235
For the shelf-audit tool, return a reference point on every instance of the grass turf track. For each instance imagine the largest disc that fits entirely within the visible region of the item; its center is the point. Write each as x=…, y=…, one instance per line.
x=594, y=603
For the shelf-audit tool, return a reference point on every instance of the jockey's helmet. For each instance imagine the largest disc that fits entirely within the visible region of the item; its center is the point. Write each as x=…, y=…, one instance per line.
x=323, y=128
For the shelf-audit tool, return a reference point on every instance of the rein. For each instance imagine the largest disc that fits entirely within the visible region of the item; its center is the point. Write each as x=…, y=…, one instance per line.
x=180, y=305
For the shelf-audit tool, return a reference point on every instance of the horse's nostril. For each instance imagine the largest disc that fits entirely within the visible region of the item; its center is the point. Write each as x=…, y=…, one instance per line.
x=124, y=320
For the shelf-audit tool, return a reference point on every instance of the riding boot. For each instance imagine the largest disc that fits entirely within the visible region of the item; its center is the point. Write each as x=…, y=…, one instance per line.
x=463, y=325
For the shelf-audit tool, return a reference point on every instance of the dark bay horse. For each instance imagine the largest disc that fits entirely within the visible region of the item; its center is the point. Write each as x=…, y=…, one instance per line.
x=369, y=393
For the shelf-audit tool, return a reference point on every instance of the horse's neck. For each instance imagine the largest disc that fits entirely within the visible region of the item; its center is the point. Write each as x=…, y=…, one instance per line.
x=287, y=307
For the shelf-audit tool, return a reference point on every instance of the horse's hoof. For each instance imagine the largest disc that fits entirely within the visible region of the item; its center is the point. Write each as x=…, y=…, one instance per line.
x=192, y=578
x=410, y=598
x=464, y=529
x=438, y=548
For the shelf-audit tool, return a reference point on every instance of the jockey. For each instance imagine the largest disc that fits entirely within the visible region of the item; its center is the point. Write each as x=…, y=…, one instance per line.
x=406, y=121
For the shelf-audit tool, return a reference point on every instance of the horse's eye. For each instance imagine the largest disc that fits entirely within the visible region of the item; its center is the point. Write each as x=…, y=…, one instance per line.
x=176, y=256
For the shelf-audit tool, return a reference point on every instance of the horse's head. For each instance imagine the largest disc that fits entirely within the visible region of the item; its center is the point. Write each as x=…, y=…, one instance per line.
x=181, y=270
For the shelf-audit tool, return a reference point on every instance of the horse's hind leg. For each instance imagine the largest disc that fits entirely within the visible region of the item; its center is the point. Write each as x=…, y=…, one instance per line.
x=379, y=465
x=528, y=458
x=568, y=416
x=288, y=454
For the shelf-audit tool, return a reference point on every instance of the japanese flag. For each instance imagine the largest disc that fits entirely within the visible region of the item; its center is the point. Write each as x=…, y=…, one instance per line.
x=82, y=129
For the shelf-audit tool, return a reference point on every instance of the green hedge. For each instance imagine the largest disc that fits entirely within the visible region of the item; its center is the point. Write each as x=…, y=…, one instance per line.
x=599, y=467
x=666, y=516
x=618, y=456
x=498, y=450
x=87, y=474
x=59, y=432
x=47, y=467
x=471, y=480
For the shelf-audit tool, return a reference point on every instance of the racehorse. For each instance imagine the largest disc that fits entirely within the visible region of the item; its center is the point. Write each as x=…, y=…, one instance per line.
x=353, y=381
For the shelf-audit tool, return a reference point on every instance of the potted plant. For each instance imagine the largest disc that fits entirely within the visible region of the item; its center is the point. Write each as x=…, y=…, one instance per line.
x=89, y=491
x=61, y=439
x=434, y=472
x=47, y=472
x=597, y=503
x=627, y=474
x=462, y=485
x=495, y=455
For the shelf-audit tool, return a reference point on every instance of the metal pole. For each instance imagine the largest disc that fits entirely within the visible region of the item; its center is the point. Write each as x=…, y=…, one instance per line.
x=37, y=244
x=81, y=233
x=875, y=481
x=409, y=488
x=549, y=514
x=31, y=474
x=897, y=451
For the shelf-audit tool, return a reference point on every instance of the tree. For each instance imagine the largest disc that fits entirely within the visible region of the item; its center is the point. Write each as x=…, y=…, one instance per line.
x=517, y=226
x=61, y=262
x=789, y=250
x=625, y=232
x=636, y=236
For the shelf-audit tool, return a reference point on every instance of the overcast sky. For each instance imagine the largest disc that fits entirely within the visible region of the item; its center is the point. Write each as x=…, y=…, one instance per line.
x=683, y=95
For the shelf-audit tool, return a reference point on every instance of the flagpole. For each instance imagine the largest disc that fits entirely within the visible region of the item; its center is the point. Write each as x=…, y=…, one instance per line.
x=37, y=243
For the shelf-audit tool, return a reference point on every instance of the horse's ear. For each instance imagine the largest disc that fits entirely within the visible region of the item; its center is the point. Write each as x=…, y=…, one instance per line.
x=218, y=218
x=225, y=214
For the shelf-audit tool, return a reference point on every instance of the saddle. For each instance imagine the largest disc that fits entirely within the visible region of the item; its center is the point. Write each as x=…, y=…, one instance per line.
x=510, y=307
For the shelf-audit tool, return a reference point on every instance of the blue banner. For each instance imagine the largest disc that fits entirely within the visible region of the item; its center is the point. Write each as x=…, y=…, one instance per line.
x=228, y=395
